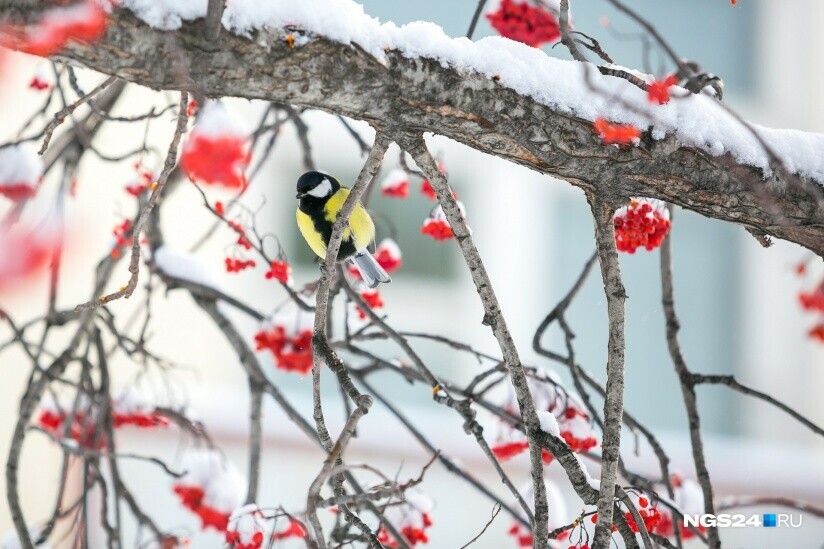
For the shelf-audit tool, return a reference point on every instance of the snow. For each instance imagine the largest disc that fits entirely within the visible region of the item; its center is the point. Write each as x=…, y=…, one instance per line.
x=593, y=482
x=167, y=14
x=688, y=497
x=295, y=320
x=419, y=500
x=184, y=266
x=696, y=120
x=391, y=247
x=439, y=215
x=20, y=164
x=248, y=521
x=395, y=178
x=657, y=206
x=222, y=484
x=410, y=513
x=215, y=121
x=548, y=423
x=134, y=401
x=558, y=512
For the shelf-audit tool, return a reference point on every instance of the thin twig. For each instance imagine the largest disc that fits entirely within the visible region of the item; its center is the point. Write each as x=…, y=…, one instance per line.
x=493, y=318
x=475, y=17
x=61, y=115
x=495, y=510
x=687, y=386
x=168, y=166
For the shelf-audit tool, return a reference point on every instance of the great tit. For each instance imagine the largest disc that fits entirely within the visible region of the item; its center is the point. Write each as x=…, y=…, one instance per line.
x=321, y=198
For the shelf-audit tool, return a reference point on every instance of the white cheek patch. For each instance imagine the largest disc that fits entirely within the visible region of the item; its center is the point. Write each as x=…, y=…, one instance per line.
x=324, y=189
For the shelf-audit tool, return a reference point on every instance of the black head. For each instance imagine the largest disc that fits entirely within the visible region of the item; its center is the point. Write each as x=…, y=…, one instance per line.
x=317, y=184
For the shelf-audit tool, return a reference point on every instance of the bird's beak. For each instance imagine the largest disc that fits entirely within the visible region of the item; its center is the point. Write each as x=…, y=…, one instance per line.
x=300, y=195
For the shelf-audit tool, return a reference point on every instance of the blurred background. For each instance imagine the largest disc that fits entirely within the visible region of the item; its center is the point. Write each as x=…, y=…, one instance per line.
x=737, y=301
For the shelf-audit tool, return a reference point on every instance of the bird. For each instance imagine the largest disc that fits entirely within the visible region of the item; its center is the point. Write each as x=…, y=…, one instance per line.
x=321, y=199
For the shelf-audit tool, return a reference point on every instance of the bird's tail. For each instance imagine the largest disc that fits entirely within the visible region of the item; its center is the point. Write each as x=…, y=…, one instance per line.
x=371, y=271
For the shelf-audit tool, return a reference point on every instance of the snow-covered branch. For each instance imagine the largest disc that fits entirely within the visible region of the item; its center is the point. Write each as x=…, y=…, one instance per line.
x=494, y=95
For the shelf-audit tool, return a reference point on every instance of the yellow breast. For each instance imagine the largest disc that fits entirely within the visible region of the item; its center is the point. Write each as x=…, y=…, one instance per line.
x=360, y=228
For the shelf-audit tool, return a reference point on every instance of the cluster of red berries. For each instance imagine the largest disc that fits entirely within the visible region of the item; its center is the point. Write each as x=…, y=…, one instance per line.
x=523, y=536
x=426, y=187
x=234, y=541
x=21, y=172
x=239, y=538
x=574, y=426
x=121, y=238
x=210, y=487
x=508, y=450
x=427, y=190
x=658, y=91
x=642, y=224
x=524, y=22
x=247, y=528
x=138, y=419
x=280, y=271
x=31, y=250
x=39, y=83
x=574, y=429
x=86, y=22
x=413, y=534
x=438, y=229
x=82, y=427
x=437, y=226
x=615, y=134
x=144, y=182
x=235, y=265
x=395, y=184
x=78, y=426
x=242, y=239
x=217, y=152
x=813, y=302
x=387, y=254
x=292, y=354
x=192, y=498
x=373, y=300
x=649, y=514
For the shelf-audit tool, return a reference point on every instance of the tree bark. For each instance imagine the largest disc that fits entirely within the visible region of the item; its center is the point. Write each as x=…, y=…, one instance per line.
x=421, y=95
x=614, y=397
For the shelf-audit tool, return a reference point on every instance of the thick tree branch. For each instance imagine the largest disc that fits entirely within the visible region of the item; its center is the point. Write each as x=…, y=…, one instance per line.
x=614, y=398
x=470, y=108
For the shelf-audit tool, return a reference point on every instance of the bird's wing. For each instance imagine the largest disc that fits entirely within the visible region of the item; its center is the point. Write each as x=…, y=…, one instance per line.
x=360, y=223
x=363, y=227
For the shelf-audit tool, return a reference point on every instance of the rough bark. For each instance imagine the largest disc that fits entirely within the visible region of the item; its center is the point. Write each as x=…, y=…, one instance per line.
x=422, y=95
x=614, y=397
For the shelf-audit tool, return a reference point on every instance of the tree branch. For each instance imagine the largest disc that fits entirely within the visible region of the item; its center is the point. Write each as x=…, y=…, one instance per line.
x=732, y=383
x=470, y=108
x=687, y=385
x=493, y=318
x=614, y=398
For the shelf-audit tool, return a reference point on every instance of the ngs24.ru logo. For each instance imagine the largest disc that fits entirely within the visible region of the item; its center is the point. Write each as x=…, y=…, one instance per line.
x=724, y=520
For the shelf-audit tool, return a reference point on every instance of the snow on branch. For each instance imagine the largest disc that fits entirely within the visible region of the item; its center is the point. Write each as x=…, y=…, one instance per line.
x=695, y=119
x=494, y=95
